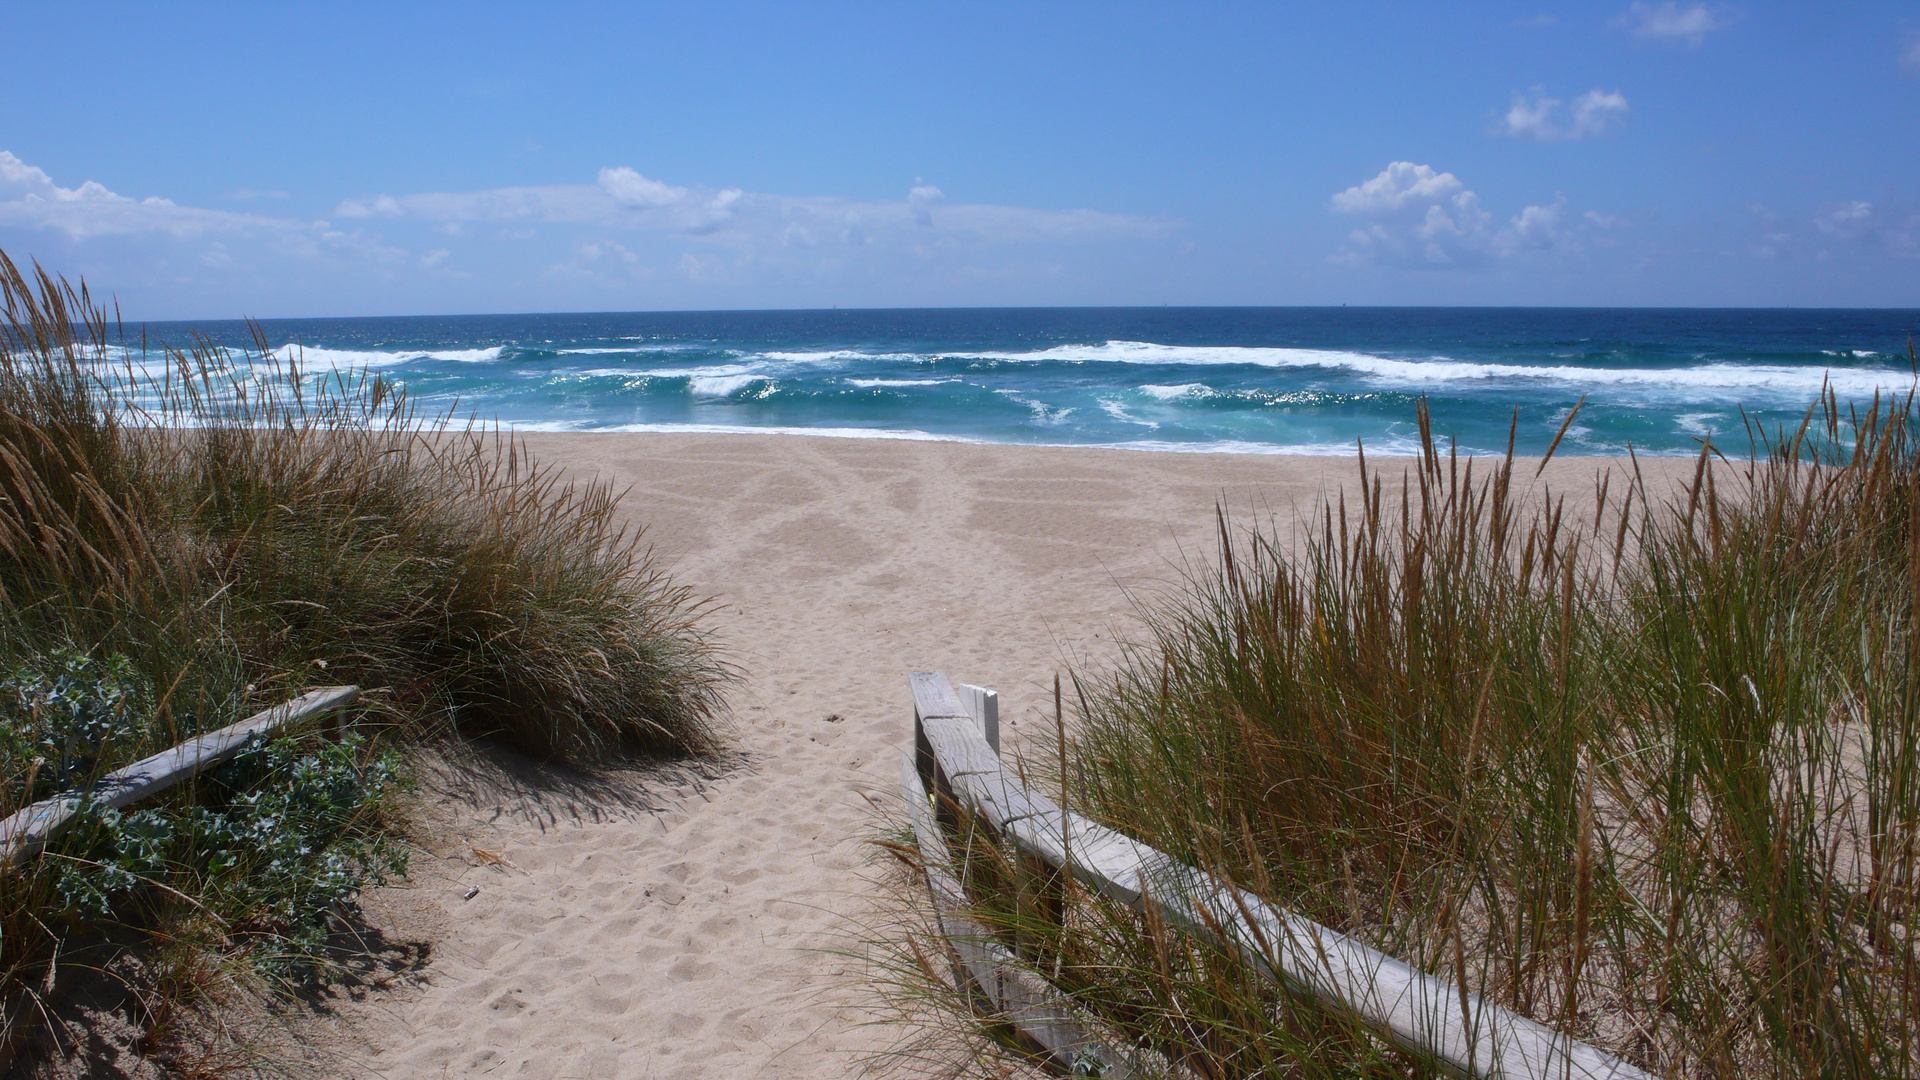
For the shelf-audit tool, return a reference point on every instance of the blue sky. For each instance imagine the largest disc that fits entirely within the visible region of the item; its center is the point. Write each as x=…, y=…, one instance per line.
x=214, y=161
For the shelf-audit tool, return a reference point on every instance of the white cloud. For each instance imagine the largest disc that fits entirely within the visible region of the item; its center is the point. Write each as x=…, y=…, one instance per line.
x=1398, y=184
x=621, y=196
x=1532, y=117
x=1671, y=21
x=155, y=242
x=1846, y=221
x=1419, y=218
x=625, y=198
x=1893, y=230
x=1910, y=59
x=1596, y=110
x=1540, y=226
x=30, y=199
x=1855, y=227
x=921, y=199
x=619, y=230
x=1536, y=116
x=630, y=189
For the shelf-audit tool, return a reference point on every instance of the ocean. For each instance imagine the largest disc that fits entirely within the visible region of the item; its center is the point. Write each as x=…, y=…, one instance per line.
x=1249, y=380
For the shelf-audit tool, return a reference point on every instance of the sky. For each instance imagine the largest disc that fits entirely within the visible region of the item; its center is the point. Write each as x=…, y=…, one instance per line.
x=218, y=161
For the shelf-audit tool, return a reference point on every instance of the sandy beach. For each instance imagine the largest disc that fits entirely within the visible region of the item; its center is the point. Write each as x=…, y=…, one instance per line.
x=682, y=927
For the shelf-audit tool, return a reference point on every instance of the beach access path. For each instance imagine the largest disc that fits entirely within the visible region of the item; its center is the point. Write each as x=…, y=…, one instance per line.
x=702, y=928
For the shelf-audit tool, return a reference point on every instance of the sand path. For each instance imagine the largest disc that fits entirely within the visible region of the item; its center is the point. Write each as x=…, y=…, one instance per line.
x=699, y=940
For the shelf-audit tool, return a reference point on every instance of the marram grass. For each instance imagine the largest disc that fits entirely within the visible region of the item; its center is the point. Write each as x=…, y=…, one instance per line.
x=1640, y=764
x=238, y=526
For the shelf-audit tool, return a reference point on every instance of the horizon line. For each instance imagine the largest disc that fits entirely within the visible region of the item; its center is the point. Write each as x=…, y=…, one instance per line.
x=243, y=319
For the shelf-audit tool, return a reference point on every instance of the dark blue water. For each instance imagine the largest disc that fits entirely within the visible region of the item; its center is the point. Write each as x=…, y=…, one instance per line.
x=1243, y=379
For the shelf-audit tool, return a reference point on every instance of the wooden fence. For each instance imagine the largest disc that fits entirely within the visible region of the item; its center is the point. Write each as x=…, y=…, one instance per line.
x=28, y=830
x=956, y=764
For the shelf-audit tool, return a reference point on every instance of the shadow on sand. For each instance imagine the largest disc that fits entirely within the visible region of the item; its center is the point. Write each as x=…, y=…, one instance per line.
x=495, y=781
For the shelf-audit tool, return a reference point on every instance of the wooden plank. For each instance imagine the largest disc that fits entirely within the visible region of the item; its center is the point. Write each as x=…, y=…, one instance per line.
x=933, y=698
x=961, y=749
x=933, y=695
x=1108, y=860
x=1101, y=857
x=1022, y=996
x=1415, y=1009
x=29, y=829
x=1000, y=796
x=984, y=706
x=1033, y=818
x=1421, y=1012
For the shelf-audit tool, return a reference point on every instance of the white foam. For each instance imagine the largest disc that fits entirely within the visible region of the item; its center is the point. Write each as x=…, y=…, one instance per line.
x=658, y=347
x=1042, y=412
x=744, y=429
x=712, y=371
x=1406, y=447
x=722, y=385
x=1712, y=381
x=1117, y=409
x=867, y=384
x=1798, y=381
x=310, y=357
x=1175, y=393
x=1702, y=424
x=1147, y=352
x=1387, y=448
x=843, y=356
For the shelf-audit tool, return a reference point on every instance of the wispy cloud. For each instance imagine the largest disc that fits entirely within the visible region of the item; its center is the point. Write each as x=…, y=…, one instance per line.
x=1535, y=116
x=153, y=238
x=1910, y=58
x=1671, y=21
x=1893, y=230
x=1419, y=218
x=30, y=199
x=624, y=198
x=1854, y=227
x=630, y=237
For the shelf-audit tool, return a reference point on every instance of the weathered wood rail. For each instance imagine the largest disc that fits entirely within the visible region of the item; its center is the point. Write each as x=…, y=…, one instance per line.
x=29, y=830
x=953, y=765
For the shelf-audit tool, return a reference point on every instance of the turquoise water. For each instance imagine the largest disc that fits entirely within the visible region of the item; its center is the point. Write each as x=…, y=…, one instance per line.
x=1221, y=379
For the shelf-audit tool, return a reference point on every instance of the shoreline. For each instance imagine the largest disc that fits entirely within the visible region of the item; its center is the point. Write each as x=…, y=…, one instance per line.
x=1397, y=448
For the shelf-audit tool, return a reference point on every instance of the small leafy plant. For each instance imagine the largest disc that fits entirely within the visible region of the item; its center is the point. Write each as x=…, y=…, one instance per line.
x=282, y=837
x=59, y=713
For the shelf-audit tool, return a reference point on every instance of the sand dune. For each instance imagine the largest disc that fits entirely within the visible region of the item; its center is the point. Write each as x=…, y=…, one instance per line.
x=664, y=925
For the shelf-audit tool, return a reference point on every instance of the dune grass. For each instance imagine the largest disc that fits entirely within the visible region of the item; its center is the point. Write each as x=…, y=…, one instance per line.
x=189, y=534
x=237, y=526
x=1642, y=765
